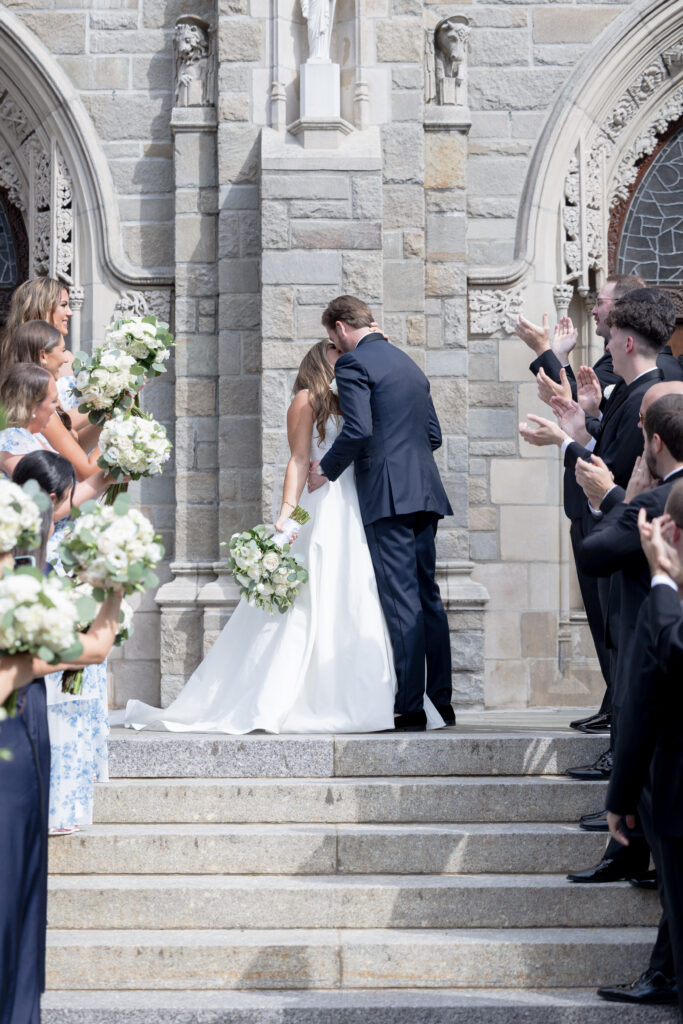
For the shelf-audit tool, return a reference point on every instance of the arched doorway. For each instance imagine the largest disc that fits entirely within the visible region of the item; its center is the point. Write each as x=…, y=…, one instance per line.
x=14, y=256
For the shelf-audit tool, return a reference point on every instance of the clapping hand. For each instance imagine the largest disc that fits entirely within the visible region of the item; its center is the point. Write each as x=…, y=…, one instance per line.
x=571, y=418
x=641, y=480
x=537, y=338
x=656, y=538
x=595, y=478
x=548, y=388
x=564, y=339
x=589, y=392
x=546, y=433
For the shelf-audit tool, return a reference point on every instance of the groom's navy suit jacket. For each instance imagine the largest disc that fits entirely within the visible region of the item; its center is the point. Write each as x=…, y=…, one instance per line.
x=390, y=432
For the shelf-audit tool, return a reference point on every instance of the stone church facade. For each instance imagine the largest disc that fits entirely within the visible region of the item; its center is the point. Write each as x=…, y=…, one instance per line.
x=451, y=163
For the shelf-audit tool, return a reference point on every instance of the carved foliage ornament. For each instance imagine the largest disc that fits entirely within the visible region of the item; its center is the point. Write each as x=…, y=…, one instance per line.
x=491, y=311
x=584, y=212
x=156, y=302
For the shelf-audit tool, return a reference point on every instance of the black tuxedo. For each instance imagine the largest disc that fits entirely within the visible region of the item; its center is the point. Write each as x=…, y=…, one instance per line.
x=390, y=432
x=670, y=365
x=648, y=761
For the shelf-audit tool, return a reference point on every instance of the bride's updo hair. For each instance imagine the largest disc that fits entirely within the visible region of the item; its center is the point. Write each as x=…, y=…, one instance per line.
x=315, y=376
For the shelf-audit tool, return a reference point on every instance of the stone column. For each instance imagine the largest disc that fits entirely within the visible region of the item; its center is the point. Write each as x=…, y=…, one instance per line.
x=196, y=361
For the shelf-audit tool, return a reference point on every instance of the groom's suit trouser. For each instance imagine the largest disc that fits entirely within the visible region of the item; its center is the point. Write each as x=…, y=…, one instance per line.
x=403, y=555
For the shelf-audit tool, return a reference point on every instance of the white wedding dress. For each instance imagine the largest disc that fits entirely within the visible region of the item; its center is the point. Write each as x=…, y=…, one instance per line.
x=325, y=666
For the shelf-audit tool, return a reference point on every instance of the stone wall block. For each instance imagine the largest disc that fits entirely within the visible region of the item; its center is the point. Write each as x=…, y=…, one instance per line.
x=497, y=175
x=274, y=399
x=238, y=442
x=250, y=234
x=310, y=184
x=499, y=47
x=141, y=41
x=195, y=397
x=558, y=54
x=277, y=311
x=558, y=24
x=445, y=160
x=336, y=234
x=407, y=106
x=149, y=245
x=447, y=363
x=366, y=197
x=195, y=355
x=403, y=286
x=446, y=236
x=239, y=396
x=161, y=13
x=237, y=153
x=455, y=322
x=441, y=279
x=519, y=523
x=239, y=276
x=403, y=77
x=97, y=72
x=196, y=533
x=240, y=40
x=274, y=225
x=413, y=244
x=131, y=177
x=515, y=88
x=196, y=486
x=127, y=115
x=362, y=276
x=322, y=208
x=62, y=32
x=233, y=106
x=403, y=206
x=400, y=41
x=450, y=402
x=195, y=239
x=402, y=147
x=228, y=235
x=297, y=266
x=415, y=331
x=492, y=423
x=492, y=394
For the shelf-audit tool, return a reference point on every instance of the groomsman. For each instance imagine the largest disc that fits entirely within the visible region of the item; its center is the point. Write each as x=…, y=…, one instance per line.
x=648, y=770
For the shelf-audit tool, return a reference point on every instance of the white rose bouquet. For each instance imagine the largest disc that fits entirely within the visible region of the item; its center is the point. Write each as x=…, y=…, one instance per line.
x=106, y=381
x=20, y=515
x=264, y=570
x=87, y=607
x=145, y=338
x=112, y=547
x=38, y=615
x=133, y=445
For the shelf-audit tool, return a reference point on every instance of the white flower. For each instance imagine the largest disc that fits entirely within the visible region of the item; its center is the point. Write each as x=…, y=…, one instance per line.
x=271, y=561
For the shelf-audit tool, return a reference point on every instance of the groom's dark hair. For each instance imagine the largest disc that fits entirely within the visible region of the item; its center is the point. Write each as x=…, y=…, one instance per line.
x=348, y=308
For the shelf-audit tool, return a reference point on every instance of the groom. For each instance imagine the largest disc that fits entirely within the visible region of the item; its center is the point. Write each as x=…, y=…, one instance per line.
x=390, y=433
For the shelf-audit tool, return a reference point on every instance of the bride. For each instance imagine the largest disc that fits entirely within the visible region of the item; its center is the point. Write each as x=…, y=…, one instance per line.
x=326, y=664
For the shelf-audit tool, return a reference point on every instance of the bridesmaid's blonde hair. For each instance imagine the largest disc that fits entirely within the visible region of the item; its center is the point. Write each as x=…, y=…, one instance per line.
x=315, y=376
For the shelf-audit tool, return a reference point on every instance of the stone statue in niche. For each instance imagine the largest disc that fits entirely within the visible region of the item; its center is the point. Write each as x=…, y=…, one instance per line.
x=319, y=15
x=446, y=62
x=193, y=62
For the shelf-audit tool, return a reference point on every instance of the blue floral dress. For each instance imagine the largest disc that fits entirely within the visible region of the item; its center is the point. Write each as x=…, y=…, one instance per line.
x=79, y=725
x=67, y=399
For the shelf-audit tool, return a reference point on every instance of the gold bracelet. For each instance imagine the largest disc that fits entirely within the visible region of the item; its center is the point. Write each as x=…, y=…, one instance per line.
x=288, y=503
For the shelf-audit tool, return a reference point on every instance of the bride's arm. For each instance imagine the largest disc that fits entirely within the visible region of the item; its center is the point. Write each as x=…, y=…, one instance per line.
x=299, y=434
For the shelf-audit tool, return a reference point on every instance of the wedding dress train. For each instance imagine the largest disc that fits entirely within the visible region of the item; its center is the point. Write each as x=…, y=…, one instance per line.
x=325, y=666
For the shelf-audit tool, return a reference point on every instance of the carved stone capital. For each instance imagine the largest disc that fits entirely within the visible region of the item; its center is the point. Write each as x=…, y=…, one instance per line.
x=562, y=296
x=76, y=297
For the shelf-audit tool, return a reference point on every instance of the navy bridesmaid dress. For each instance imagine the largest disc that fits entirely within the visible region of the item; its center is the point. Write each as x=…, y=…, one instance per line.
x=24, y=782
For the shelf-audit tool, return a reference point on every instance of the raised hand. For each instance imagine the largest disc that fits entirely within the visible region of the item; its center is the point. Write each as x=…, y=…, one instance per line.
x=547, y=387
x=641, y=480
x=571, y=418
x=565, y=338
x=537, y=338
x=595, y=478
x=546, y=433
x=588, y=390
x=656, y=538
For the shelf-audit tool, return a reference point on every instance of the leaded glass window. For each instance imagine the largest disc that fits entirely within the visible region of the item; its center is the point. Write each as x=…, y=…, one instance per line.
x=652, y=235
x=9, y=276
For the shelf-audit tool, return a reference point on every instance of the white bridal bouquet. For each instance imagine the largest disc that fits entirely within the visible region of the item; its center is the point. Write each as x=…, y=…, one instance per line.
x=39, y=615
x=20, y=516
x=112, y=547
x=106, y=381
x=145, y=338
x=264, y=569
x=133, y=445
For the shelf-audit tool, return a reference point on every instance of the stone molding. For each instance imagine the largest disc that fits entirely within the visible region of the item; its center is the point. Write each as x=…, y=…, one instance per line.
x=648, y=32
x=47, y=89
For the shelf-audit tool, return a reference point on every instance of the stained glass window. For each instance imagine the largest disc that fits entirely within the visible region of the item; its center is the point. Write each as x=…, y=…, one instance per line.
x=8, y=256
x=652, y=236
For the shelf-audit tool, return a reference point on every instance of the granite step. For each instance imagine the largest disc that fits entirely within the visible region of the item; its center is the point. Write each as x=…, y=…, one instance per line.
x=451, y=752
x=353, y=901
x=404, y=1006
x=114, y=960
x=475, y=799
x=326, y=849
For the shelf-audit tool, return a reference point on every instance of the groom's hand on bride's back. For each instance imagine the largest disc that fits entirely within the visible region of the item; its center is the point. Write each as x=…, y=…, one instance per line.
x=315, y=478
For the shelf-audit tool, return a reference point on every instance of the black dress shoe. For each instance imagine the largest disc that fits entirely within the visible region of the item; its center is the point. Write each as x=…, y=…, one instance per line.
x=578, y=722
x=650, y=987
x=610, y=869
x=594, y=822
x=447, y=713
x=600, y=769
x=647, y=881
x=413, y=721
x=599, y=723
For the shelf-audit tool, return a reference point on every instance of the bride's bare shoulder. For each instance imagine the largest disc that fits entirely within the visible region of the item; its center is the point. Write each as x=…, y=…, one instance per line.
x=301, y=405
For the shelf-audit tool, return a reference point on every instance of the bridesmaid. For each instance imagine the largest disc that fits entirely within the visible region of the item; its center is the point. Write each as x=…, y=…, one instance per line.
x=24, y=812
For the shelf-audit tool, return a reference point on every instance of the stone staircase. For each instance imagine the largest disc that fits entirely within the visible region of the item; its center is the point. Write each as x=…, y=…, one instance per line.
x=358, y=880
